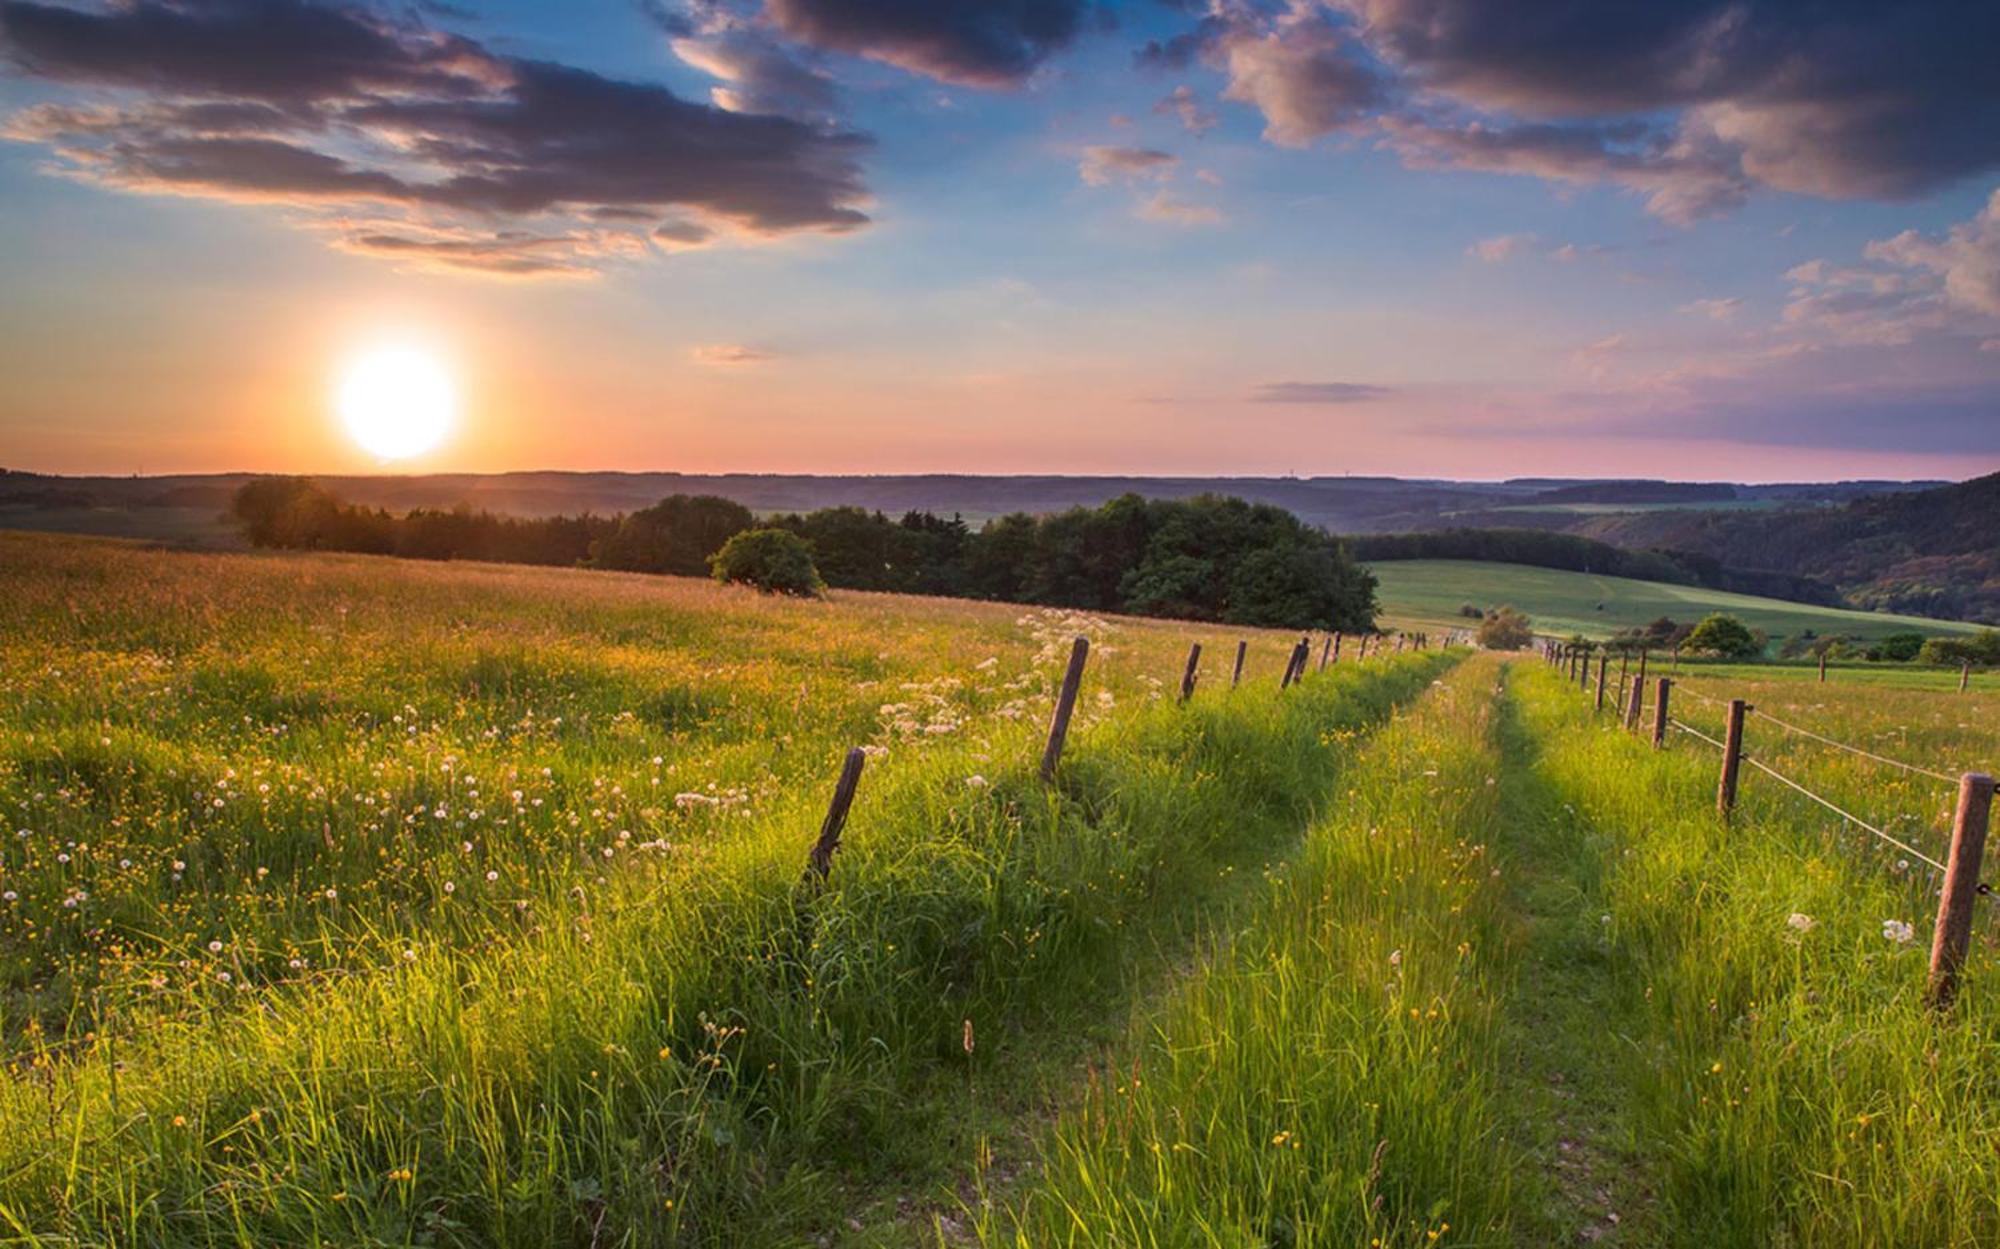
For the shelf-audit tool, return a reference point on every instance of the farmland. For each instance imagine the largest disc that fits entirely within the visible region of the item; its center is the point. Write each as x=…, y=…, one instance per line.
x=1431, y=592
x=356, y=901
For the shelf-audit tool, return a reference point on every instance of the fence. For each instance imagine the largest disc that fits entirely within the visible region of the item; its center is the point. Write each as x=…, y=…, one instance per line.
x=1961, y=887
x=819, y=862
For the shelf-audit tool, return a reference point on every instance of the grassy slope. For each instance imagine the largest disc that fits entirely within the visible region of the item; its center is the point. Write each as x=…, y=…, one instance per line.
x=643, y=1040
x=1567, y=602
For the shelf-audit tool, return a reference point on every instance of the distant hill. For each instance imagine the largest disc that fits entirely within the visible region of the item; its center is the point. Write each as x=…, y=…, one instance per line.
x=1932, y=552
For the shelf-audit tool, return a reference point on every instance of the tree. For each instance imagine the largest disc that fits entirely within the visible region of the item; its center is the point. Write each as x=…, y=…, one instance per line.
x=676, y=535
x=1897, y=647
x=1505, y=629
x=1725, y=637
x=776, y=561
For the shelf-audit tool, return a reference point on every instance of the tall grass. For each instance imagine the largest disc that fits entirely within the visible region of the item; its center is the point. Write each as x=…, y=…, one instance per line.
x=1793, y=1088
x=660, y=1039
x=1326, y=1076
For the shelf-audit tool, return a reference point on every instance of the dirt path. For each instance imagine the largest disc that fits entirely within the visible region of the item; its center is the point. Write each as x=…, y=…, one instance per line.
x=1572, y=1023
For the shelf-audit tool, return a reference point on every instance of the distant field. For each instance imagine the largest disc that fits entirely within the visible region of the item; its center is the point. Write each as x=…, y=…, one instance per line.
x=1432, y=591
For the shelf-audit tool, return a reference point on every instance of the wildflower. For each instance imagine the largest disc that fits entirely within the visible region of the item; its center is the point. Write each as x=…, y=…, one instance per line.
x=975, y=781
x=409, y=956
x=1799, y=922
x=215, y=947
x=491, y=877
x=1395, y=958
x=1897, y=931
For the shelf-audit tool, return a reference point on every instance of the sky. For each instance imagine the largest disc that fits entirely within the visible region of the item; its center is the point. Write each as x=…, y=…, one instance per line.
x=1718, y=239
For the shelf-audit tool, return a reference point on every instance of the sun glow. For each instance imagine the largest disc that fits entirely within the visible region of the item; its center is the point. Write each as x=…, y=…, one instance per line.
x=396, y=401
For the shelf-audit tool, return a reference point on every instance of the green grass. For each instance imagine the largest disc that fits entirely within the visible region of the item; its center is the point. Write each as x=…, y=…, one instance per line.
x=1560, y=602
x=348, y=901
x=362, y=902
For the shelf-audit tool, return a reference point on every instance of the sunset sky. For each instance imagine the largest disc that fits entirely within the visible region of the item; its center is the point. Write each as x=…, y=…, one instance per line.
x=1749, y=240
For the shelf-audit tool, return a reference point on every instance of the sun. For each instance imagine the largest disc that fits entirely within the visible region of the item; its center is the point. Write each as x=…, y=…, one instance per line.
x=396, y=401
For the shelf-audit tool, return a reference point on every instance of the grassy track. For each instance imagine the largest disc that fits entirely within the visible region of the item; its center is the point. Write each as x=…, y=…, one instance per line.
x=1431, y=592
x=1789, y=1085
x=1326, y=1077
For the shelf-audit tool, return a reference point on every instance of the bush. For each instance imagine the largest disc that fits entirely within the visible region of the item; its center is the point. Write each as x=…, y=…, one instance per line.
x=1982, y=648
x=1471, y=613
x=776, y=561
x=1897, y=647
x=1505, y=629
x=1725, y=637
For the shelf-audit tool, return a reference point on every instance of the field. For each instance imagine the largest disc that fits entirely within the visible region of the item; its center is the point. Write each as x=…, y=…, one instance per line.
x=346, y=901
x=1430, y=592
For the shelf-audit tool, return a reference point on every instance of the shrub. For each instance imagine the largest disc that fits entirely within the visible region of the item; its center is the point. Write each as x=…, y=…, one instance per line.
x=1897, y=647
x=1505, y=629
x=1471, y=613
x=1725, y=637
x=776, y=561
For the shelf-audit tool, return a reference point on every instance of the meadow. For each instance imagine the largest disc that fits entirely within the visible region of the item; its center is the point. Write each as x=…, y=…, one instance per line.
x=1430, y=592
x=349, y=901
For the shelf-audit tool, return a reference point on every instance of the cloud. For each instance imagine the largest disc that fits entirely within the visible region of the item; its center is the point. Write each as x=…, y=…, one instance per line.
x=1715, y=309
x=1501, y=247
x=727, y=354
x=1318, y=392
x=1305, y=74
x=1183, y=103
x=979, y=43
x=1165, y=206
x=1692, y=105
x=1908, y=287
x=1102, y=166
x=760, y=73
x=478, y=161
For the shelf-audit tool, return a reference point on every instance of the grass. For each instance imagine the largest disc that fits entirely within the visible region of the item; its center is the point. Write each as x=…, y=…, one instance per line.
x=377, y=903
x=348, y=901
x=1560, y=602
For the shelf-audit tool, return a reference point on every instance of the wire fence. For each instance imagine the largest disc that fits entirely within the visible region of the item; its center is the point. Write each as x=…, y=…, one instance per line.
x=1959, y=876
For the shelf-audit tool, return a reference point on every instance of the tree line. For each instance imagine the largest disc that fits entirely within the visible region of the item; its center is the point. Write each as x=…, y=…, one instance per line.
x=1204, y=558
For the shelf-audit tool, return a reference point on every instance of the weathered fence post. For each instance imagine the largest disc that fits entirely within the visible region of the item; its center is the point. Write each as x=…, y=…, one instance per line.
x=1325, y=652
x=1603, y=664
x=1961, y=886
x=1732, y=757
x=1675, y=667
x=1822, y=667
x=1633, y=702
x=1336, y=646
x=1583, y=672
x=1643, y=653
x=1187, y=677
x=820, y=861
x=1964, y=676
x=1662, y=690
x=1237, y=673
x=1624, y=663
x=1065, y=704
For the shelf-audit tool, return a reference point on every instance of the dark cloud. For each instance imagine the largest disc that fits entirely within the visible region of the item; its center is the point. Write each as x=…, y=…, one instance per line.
x=341, y=112
x=1318, y=392
x=983, y=43
x=1692, y=104
x=1833, y=97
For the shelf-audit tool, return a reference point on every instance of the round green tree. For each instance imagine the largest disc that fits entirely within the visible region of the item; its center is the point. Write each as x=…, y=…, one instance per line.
x=1724, y=636
x=776, y=561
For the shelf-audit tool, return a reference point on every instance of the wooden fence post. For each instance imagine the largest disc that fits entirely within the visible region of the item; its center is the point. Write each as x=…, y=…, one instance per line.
x=1325, y=652
x=1065, y=704
x=1675, y=667
x=1961, y=886
x=1187, y=678
x=1662, y=690
x=820, y=861
x=1624, y=663
x=1964, y=676
x=1237, y=674
x=1583, y=672
x=1603, y=664
x=1336, y=646
x=1822, y=667
x=1633, y=702
x=1732, y=757
x=1643, y=653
